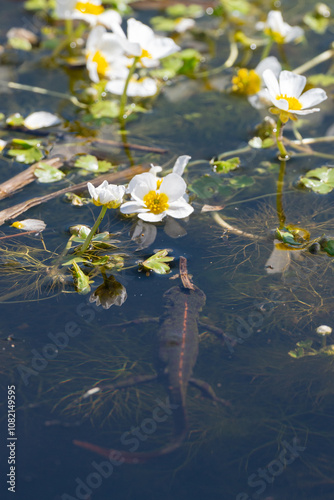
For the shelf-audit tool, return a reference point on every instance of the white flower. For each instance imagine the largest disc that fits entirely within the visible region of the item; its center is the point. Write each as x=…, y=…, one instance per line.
x=154, y=198
x=30, y=225
x=3, y=144
x=137, y=87
x=278, y=30
x=90, y=11
x=106, y=194
x=152, y=47
x=286, y=94
x=105, y=55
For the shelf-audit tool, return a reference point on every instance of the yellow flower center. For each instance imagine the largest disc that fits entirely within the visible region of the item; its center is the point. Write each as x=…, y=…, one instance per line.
x=156, y=202
x=294, y=104
x=275, y=35
x=18, y=225
x=89, y=8
x=102, y=64
x=246, y=82
x=145, y=53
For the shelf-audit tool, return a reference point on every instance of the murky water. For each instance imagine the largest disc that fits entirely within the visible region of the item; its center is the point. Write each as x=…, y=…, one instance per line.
x=275, y=441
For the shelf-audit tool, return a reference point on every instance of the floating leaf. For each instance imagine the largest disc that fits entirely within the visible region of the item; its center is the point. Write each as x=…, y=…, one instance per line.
x=47, y=173
x=223, y=167
x=92, y=164
x=320, y=180
x=258, y=143
x=19, y=43
x=27, y=151
x=157, y=262
x=297, y=353
x=15, y=120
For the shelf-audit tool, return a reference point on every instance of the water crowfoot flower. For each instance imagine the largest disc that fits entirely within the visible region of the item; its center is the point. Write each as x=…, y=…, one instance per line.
x=109, y=195
x=153, y=198
x=279, y=31
x=286, y=95
x=90, y=11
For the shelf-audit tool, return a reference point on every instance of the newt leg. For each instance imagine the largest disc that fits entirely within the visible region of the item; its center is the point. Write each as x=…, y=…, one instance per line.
x=208, y=391
x=128, y=382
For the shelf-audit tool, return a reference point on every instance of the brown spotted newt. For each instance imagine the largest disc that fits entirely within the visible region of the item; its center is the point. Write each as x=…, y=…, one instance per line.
x=178, y=350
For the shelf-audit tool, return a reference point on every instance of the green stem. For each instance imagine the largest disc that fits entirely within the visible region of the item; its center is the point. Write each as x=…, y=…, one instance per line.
x=93, y=230
x=267, y=49
x=279, y=129
x=279, y=197
x=69, y=27
x=124, y=95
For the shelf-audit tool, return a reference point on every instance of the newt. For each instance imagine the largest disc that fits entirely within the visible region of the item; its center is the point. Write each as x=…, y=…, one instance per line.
x=178, y=349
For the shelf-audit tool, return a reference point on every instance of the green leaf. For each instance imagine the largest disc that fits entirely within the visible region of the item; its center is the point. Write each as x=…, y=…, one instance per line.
x=157, y=262
x=76, y=200
x=36, y=5
x=320, y=180
x=82, y=282
x=205, y=187
x=47, y=173
x=317, y=23
x=223, y=167
x=321, y=80
x=241, y=181
x=70, y=261
x=15, y=120
x=305, y=343
x=87, y=162
x=28, y=151
x=104, y=109
x=288, y=237
x=181, y=10
x=297, y=353
x=328, y=246
x=20, y=43
x=92, y=164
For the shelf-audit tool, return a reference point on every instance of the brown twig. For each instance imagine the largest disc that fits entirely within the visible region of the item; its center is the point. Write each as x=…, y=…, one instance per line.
x=186, y=282
x=139, y=147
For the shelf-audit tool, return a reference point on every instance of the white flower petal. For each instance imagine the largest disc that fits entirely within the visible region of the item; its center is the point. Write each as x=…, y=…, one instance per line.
x=110, y=19
x=146, y=178
x=180, y=209
x=291, y=84
x=271, y=82
x=41, y=119
x=293, y=33
x=132, y=207
x=271, y=63
x=281, y=104
x=312, y=97
x=149, y=217
x=305, y=111
x=181, y=164
x=173, y=186
x=275, y=22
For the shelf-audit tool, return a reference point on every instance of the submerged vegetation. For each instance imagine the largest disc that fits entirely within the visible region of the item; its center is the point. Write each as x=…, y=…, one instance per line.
x=236, y=105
